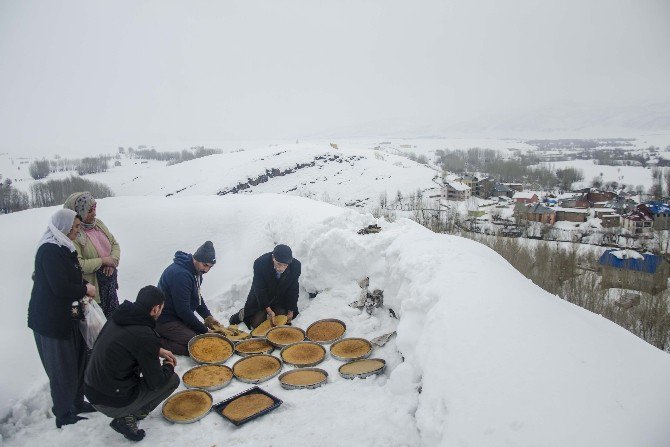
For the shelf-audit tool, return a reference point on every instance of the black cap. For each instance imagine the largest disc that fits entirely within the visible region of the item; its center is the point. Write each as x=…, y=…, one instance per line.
x=149, y=296
x=205, y=253
x=282, y=253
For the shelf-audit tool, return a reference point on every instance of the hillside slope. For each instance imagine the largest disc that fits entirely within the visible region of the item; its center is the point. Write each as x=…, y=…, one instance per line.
x=482, y=356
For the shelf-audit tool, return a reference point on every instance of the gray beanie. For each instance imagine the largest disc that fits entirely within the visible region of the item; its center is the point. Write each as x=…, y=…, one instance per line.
x=205, y=253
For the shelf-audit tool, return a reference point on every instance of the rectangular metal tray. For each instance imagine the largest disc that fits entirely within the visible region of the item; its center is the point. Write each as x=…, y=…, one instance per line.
x=218, y=408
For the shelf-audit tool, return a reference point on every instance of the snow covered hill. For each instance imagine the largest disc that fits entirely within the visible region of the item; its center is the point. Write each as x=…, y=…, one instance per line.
x=482, y=356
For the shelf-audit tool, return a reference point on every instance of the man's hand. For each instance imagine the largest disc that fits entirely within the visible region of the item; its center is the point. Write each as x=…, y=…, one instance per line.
x=168, y=356
x=289, y=317
x=90, y=290
x=210, y=322
x=271, y=316
x=109, y=261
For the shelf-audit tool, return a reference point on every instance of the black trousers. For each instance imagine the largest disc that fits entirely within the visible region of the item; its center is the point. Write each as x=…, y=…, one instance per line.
x=145, y=402
x=64, y=362
x=175, y=336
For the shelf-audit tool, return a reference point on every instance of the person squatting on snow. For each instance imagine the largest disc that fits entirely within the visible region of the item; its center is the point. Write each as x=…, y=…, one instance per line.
x=181, y=283
x=127, y=347
x=98, y=250
x=274, y=289
x=57, y=284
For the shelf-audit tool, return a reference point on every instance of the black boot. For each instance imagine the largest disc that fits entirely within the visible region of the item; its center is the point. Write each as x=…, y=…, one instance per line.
x=127, y=426
x=68, y=419
x=235, y=318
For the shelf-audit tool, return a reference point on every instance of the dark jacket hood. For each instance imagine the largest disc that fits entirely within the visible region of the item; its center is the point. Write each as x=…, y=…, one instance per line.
x=129, y=314
x=185, y=260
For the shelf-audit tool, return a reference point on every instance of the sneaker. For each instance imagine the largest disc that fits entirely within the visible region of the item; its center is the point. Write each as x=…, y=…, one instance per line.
x=127, y=426
x=69, y=419
x=85, y=407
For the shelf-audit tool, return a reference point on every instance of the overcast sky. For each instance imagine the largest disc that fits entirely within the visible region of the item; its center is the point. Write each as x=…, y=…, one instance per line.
x=99, y=74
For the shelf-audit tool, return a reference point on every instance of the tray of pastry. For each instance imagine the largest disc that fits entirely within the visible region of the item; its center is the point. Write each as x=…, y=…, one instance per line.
x=349, y=349
x=207, y=377
x=362, y=368
x=210, y=348
x=280, y=336
x=257, y=368
x=308, y=378
x=188, y=406
x=328, y=330
x=247, y=406
x=251, y=346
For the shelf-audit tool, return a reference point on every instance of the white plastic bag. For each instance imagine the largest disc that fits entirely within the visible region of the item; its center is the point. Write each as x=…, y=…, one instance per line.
x=93, y=322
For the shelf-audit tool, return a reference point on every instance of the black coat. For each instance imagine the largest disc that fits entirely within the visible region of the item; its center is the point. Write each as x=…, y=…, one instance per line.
x=127, y=346
x=57, y=282
x=268, y=291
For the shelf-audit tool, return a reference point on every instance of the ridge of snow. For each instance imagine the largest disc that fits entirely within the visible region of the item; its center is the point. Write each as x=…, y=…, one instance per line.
x=482, y=357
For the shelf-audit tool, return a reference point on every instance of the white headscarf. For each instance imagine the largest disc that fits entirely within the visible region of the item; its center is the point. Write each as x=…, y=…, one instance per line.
x=59, y=226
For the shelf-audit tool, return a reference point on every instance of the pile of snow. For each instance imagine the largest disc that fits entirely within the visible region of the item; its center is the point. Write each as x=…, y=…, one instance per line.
x=626, y=254
x=482, y=357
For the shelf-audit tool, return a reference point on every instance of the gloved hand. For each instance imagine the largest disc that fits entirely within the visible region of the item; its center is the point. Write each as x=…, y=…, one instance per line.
x=210, y=322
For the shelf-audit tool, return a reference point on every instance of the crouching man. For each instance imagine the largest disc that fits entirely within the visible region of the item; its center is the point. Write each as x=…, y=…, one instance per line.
x=128, y=346
x=274, y=289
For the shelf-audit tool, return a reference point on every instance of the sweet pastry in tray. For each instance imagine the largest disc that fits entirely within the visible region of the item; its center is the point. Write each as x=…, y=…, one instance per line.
x=302, y=377
x=303, y=354
x=211, y=349
x=363, y=366
x=187, y=406
x=253, y=346
x=207, y=376
x=351, y=348
x=256, y=367
x=285, y=335
x=264, y=327
x=325, y=331
x=247, y=406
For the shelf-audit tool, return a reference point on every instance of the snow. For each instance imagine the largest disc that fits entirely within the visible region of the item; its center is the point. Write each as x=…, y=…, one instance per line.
x=629, y=175
x=626, y=254
x=524, y=195
x=482, y=357
x=459, y=186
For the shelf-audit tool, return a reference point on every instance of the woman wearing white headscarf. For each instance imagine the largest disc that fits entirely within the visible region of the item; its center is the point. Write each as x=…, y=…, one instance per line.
x=57, y=284
x=99, y=252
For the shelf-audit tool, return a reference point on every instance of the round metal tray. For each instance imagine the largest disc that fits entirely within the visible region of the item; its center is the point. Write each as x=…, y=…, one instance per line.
x=188, y=421
x=281, y=354
x=210, y=334
x=350, y=359
x=208, y=388
x=327, y=342
x=246, y=354
x=362, y=375
x=262, y=379
x=279, y=345
x=286, y=386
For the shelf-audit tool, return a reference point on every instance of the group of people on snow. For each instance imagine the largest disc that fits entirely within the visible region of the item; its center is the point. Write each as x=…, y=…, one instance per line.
x=123, y=375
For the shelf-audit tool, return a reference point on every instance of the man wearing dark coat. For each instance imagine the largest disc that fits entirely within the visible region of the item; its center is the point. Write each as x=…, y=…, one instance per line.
x=181, y=283
x=124, y=378
x=274, y=289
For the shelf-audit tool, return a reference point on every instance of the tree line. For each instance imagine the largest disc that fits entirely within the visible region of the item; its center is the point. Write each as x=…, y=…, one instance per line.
x=49, y=193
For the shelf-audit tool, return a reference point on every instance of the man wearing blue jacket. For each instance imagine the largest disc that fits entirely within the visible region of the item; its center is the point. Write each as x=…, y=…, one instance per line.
x=181, y=283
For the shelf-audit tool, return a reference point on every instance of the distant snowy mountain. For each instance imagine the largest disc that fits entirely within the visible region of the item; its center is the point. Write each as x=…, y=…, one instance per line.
x=482, y=357
x=353, y=177
x=562, y=120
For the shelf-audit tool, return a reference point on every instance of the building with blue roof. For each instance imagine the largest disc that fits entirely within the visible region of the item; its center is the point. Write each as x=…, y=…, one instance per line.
x=628, y=269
